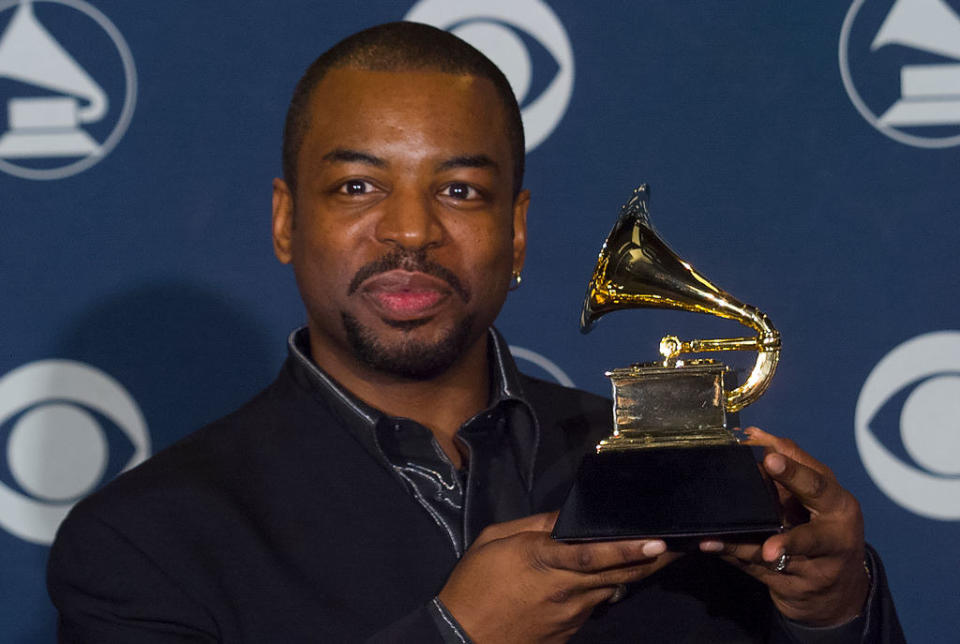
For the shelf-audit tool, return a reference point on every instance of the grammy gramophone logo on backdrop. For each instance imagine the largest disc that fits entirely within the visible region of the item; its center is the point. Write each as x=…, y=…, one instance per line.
x=68, y=87
x=900, y=64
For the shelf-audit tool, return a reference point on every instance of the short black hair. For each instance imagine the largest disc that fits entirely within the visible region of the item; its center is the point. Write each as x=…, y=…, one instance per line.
x=400, y=46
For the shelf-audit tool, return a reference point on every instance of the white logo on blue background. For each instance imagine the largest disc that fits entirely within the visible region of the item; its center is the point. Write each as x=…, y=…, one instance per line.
x=492, y=27
x=544, y=363
x=928, y=367
x=57, y=450
x=900, y=66
x=54, y=100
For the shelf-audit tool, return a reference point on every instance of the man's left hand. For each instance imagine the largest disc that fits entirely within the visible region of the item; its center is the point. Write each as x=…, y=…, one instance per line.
x=824, y=582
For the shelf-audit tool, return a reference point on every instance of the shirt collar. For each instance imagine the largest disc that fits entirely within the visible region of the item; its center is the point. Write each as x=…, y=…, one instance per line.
x=506, y=377
x=362, y=419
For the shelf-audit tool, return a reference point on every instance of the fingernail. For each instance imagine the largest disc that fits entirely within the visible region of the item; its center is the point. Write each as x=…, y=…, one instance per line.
x=711, y=546
x=775, y=463
x=776, y=555
x=654, y=548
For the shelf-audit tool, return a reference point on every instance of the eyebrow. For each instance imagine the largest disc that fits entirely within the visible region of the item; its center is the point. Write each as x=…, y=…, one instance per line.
x=345, y=155
x=469, y=161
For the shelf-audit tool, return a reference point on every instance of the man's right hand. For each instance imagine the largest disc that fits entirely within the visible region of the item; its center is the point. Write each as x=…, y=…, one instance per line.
x=516, y=584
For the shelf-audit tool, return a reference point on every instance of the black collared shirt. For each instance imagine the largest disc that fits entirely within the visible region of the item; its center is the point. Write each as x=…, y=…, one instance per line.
x=500, y=441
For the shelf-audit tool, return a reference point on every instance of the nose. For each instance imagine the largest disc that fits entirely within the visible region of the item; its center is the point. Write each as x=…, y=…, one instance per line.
x=409, y=219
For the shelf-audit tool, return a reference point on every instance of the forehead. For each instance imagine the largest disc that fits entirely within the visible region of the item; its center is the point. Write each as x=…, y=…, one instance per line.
x=431, y=111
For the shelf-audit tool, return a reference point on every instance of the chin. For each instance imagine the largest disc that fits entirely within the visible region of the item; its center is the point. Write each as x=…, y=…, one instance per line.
x=403, y=353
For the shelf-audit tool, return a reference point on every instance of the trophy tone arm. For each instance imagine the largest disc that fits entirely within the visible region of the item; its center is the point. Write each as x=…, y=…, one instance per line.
x=766, y=344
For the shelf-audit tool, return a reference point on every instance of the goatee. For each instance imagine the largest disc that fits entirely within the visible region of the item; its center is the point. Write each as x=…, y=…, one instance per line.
x=410, y=359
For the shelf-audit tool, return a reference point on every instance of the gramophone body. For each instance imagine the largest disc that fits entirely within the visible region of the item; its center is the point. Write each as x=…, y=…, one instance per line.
x=671, y=468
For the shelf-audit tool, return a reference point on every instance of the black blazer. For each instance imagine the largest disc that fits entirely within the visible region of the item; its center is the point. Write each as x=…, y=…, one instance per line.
x=275, y=525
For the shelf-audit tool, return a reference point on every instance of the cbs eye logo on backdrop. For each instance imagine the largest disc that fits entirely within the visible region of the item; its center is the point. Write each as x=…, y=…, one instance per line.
x=526, y=40
x=66, y=428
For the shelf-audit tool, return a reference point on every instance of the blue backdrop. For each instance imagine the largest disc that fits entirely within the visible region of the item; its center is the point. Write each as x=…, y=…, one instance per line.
x=803, y=156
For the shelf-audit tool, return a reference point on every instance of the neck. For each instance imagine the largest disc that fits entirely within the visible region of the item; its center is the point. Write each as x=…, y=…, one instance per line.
x=442, y=404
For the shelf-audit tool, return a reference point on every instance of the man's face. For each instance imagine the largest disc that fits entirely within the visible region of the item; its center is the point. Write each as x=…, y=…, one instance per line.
x=404, y=230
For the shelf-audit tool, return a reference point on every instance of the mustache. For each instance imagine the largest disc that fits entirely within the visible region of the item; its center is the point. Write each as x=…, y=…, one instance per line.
x=414, y=261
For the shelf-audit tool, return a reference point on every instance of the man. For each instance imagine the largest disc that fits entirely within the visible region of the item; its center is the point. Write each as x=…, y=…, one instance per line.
x=392, y=484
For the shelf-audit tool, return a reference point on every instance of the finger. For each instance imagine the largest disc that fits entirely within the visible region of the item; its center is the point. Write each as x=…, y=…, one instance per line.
x=743, y=552
x=626, y=574
x=794, y=513
x=752, y=558
x=785, y=446
x=596, y=596
x=746, y=557
x=534, y=523
x=766, y=572
x=757, y=437
x=818, y=491
x=593, y=557
x=809, y=540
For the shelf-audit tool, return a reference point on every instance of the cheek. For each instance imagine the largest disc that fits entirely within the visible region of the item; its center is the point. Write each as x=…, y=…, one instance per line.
x=323, y=263
x=488, y=259
x=490, y=245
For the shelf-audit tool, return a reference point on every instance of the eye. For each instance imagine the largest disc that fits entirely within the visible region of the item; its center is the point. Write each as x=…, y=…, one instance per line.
x=356, y=187
x=460, y=191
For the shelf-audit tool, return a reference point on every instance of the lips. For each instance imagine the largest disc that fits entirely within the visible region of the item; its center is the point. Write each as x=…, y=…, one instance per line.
x=405, y=295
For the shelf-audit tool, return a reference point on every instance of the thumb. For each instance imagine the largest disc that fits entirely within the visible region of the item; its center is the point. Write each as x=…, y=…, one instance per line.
x=534, y=523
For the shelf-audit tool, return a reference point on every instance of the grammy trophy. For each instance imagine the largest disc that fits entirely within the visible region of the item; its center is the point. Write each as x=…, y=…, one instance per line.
x=671, y=469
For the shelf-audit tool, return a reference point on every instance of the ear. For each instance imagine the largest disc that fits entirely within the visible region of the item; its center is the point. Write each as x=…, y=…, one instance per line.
x=520, y=205
x=282, y=221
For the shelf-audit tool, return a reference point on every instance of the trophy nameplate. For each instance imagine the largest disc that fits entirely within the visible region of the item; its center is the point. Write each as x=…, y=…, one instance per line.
x=672, y=469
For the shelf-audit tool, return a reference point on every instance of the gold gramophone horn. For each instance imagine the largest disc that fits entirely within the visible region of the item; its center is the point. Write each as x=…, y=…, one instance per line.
x=636, y=269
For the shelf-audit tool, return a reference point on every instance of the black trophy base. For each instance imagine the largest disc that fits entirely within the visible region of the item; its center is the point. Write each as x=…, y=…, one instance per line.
x=681, y=495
